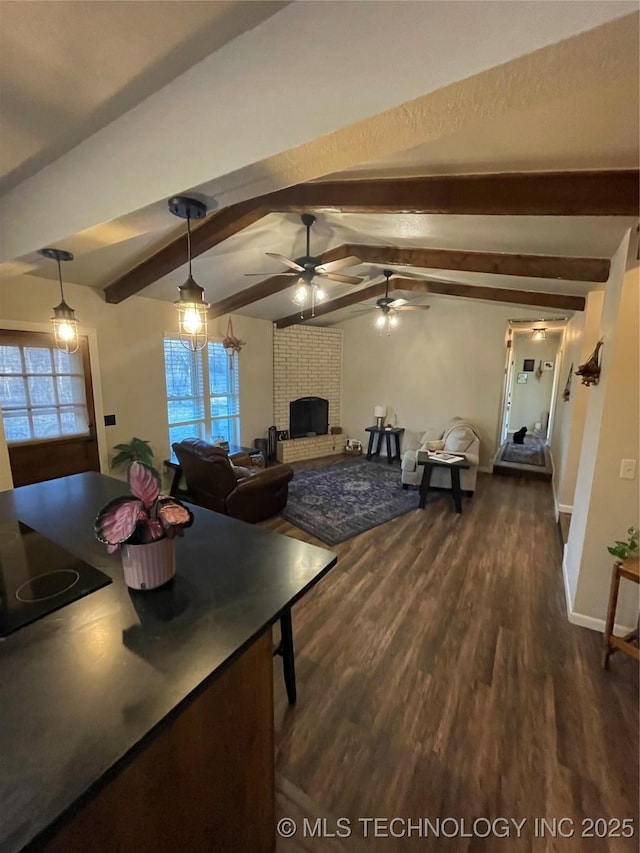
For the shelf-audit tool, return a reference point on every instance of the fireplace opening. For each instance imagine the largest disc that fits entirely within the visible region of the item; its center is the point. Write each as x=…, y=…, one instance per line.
x=308, y=416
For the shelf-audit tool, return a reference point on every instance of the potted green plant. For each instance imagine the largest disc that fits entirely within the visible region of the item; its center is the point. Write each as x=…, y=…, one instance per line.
x=629, y=548
x=137, y=450
x=143, y=526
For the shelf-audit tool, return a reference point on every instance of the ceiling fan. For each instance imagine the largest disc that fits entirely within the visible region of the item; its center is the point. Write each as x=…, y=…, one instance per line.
x=389, y=308
x=308, y=267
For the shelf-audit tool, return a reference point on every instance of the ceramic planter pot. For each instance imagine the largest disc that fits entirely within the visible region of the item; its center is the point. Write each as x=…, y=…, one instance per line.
x=148, y=566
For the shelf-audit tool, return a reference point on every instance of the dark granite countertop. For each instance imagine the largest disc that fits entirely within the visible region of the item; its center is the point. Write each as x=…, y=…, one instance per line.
x=81, y=687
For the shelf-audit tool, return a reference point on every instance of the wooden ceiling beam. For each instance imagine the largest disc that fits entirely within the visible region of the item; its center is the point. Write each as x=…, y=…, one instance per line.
x=612, y=193
x=562, y=301
x=214, y=230
x=267, y=287
x=603, y=193
x=494, y=263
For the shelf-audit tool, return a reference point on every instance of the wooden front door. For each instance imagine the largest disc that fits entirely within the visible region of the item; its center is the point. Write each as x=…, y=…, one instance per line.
x=47, y=407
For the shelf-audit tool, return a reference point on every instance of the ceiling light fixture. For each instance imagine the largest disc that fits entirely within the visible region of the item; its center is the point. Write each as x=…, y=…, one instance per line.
x=539, y=334
x=191, y=306
x=65, y=325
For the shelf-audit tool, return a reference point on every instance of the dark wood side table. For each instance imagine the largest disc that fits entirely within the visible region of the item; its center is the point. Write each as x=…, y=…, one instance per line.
x=629, y=569
x=429, y=464
x=375, y=438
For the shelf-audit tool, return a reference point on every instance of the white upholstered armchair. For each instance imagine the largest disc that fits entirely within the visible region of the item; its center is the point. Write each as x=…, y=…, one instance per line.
x=459, y=437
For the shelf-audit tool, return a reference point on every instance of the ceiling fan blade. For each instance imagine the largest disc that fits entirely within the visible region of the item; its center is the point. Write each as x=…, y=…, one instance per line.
x=398, y=303
x=345, y=279
x=332, y=266
x=286, y=261
x=269, y=274
x=413, y=308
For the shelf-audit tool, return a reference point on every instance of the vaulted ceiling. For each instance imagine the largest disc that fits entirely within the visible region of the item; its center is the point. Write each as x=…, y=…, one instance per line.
x=596, y=128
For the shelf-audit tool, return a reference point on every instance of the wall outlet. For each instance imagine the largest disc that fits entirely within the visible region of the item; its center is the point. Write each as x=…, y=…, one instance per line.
x=627, y=469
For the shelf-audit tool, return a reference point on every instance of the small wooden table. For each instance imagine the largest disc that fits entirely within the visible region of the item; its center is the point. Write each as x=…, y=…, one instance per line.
x=429, y=464
x=375, y=437
x=629, y=569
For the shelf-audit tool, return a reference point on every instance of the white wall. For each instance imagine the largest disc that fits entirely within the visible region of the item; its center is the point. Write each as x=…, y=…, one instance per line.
x=530, y=400
x=566, y=441
x=437, y=364
x=128, y=359
x=605, y=505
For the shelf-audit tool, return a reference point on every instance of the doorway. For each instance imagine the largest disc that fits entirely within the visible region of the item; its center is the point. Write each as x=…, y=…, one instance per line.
x=531, y=381
x=47, y=407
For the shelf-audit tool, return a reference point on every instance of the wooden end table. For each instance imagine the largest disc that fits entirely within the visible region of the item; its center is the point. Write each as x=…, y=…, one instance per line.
x=430, y=463
x=629, y=569
x=375, y=438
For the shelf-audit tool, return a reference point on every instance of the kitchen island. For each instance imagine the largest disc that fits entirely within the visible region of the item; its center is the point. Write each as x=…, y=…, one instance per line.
x=144, y=720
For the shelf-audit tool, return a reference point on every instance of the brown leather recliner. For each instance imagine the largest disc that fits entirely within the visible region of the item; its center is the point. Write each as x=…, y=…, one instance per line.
x=248, y=494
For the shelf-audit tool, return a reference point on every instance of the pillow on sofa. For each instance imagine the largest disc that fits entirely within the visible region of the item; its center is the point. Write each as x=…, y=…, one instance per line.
x=240, y=472
x=432, y=446
x=459, y=440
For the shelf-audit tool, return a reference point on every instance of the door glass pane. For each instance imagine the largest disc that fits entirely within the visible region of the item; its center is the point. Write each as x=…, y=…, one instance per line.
x=70, y=389
x=45, y=423
x=13, y=391
x=73, y=421
x=38, y=360
x=10, y=360
x=16, y=426
x=41, y=390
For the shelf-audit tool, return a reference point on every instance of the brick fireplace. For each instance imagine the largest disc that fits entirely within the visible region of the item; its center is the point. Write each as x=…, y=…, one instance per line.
x=307, y=365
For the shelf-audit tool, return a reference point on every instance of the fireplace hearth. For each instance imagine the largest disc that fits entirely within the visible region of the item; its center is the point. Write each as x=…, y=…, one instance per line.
x=308, y=416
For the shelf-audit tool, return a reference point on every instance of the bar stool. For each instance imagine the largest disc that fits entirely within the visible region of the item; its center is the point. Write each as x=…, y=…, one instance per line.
x=629, y=569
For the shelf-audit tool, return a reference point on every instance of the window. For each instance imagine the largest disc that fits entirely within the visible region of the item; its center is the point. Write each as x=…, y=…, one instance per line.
x=192, y=412
x=42, y=390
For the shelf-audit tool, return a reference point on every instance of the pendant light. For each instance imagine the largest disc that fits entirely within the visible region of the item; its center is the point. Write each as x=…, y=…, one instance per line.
x=191, y=306
x=65, y=325
x=539, y=334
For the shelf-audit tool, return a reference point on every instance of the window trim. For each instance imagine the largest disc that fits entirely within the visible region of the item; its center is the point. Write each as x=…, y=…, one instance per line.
x=206, y=424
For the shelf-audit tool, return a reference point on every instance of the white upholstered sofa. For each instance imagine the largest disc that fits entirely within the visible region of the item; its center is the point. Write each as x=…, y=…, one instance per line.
x=459, y=437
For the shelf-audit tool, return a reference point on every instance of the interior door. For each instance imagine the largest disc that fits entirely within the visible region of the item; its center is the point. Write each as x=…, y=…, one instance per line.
x=47, y=407
x=508, y=390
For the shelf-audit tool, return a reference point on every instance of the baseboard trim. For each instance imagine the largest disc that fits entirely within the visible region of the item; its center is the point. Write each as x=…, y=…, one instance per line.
x=582, y=619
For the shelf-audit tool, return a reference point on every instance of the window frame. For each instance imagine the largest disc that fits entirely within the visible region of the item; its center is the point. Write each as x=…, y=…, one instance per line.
x=204, y=427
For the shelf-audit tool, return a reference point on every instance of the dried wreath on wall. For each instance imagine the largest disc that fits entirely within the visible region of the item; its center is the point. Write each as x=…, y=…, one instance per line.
x=231, y=344
x=590, y=370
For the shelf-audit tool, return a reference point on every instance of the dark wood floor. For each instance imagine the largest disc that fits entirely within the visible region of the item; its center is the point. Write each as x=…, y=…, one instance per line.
x=438, y=676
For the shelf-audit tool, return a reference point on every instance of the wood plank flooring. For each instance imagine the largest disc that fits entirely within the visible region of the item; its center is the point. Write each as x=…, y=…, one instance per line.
x=438, y=677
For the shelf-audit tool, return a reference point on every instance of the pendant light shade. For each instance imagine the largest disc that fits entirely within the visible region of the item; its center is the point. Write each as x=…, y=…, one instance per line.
x=65, y=325
x=539, y=334
x=193, y=310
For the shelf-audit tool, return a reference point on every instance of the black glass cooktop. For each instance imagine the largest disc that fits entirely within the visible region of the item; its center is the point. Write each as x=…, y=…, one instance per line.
x=37, y=576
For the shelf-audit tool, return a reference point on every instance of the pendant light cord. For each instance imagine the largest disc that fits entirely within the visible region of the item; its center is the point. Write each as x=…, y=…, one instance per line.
x=60, y=279
x=189, y=242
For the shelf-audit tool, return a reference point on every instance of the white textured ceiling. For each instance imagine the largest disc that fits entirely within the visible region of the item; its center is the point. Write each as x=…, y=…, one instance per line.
x=594, y=125
x=69, y=68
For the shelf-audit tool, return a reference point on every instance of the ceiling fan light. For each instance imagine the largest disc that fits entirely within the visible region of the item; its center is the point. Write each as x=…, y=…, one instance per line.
x=380, y=321
x=393, y=321
x=319, y=294
x=301, y=295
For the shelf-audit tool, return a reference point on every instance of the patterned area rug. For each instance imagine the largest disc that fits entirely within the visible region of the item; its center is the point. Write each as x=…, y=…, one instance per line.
x=529, y=453
x=340, y=501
